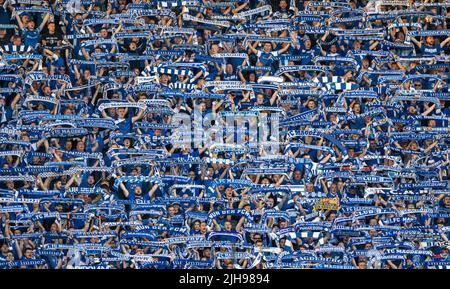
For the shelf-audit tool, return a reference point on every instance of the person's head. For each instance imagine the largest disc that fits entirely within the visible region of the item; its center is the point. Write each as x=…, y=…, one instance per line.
x=365, y=63
x=227, y=226
x=157, y=132
x=68, y=145
x=196, y=225
x=51, y=27
x=311, y=104
x=209, y=11
x=59, y=207
x=267, y=47
x=228, y=192
x=447, y=201
x=164, y=79
x=121, y=111
x=440, y=222
x=115, y=95
x=429, y=40
x=103, y=33
x=46, y=90
x=334, y=118
x=210, y=172
x=40, y=106
x=373, y=222
x=372, y=144
x=171, y=211
x=255, y=237
x=137, y=191
x=207, y=253
x=331, y=216
x=31, y=25
x=28, y=253
x=9, y=159
x=417, y=85
x=203, y=227
x=270, y=202
x=229, y=68
x=202, y=106
x=134, y=172
x=90, y=180
x=4, y=249
x=356, y=108
x=252, y=77
x=333, y=187
x=54, y=227
x=333, y=48
x=80, y=146
x=283, y=223
x=62, y=69
x=57, y=185
x=97, y=50
x=265, y=181
x=127, y=143
x=362, y=265
x=201, y=82
x=132, y=46
x=10, y=185
x=86, y=74
x=307, y=43
x=259, y=99
x=413, y=146
x=16, y=40
x=214, y=49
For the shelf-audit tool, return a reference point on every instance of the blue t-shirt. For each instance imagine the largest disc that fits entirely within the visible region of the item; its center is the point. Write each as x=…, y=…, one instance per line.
x=124, y=125
x=266, y=58
x=430, y=50
x=30, y=38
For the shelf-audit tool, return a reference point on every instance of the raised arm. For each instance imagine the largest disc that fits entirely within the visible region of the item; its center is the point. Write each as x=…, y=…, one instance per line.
x=72, y=179
x=285, y=47
x=239, y=224
x=138, y=116
x=216, y=225
x=252, y=49
x=152, y=191
x=44, y=21
x=429, y=148
x=429, y=110
x=126, y=193
x=239, y=8
x=443, y=43
x=416, y=42
x=19, y=21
